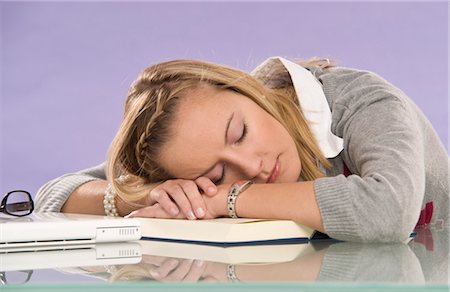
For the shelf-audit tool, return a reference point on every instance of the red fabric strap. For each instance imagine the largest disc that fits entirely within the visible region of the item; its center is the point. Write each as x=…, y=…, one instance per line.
x=425, y=214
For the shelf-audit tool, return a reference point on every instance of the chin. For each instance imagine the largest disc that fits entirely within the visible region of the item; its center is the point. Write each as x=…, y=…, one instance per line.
x=294, y=177
x=298, y=176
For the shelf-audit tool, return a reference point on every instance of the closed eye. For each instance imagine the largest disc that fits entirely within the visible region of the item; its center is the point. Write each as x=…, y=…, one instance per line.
x=239, y=141
x=243, y=135
x=220, y=180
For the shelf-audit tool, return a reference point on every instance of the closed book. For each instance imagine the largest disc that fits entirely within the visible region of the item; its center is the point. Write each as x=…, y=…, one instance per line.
x=227, y=231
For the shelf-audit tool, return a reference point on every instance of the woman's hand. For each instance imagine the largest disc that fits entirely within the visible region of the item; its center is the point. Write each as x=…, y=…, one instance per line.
x=179, y=198
x=168, y=269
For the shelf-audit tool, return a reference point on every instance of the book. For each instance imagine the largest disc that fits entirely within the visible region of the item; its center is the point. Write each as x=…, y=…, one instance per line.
x=242, y=254
x=227, y=231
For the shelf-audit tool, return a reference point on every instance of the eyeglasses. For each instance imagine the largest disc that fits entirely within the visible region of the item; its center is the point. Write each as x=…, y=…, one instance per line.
x=17, y=203
x=15, y=277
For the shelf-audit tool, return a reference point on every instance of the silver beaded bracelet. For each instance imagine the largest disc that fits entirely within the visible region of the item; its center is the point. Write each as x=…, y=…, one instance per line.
x=231, y=273
x=237, y=188
x=109, y=202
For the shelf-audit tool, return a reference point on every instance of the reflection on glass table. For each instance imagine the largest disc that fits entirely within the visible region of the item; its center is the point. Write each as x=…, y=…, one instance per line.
x=15, y=277
x=17, y=267
x=425, y=259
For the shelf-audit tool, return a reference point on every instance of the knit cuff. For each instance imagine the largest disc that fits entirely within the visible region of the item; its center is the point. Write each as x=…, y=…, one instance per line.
x=51, y=198
x=362, y=262
x=340, y=263
x=333, y=198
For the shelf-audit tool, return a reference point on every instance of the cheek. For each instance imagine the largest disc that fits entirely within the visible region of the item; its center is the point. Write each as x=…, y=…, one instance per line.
x=282, y=141
x=275, y=133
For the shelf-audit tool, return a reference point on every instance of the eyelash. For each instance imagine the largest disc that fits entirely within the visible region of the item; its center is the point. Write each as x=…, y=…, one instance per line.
x=244, y=134
x=222, y=176
x=239, y=141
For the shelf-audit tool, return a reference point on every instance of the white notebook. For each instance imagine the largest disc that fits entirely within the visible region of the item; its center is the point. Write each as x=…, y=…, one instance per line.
x=47, y=230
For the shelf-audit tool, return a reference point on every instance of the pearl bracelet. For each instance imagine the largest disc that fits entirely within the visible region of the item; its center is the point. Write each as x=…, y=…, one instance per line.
x=109, y=202
x=237, y=188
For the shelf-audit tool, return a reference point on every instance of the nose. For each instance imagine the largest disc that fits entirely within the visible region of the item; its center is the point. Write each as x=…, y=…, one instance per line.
x=245, y=167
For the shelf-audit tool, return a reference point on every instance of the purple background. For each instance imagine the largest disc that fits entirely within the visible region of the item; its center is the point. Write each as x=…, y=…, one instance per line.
x=66, y=67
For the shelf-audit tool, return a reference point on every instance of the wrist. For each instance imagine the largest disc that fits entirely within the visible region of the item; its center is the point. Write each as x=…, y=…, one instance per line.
x=109, y=201
x=219, y=207
x=235, y=190
x=124, y=207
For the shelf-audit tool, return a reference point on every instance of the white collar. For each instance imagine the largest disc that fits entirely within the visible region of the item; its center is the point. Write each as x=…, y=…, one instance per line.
x=313, y=103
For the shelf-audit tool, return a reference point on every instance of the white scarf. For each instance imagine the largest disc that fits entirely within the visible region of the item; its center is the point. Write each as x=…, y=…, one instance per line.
x=313, y=103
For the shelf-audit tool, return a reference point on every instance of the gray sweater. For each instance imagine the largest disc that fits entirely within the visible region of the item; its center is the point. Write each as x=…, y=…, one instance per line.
x=397, y=161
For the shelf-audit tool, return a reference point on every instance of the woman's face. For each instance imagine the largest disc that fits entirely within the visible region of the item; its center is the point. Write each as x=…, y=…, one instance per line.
x=225, y=136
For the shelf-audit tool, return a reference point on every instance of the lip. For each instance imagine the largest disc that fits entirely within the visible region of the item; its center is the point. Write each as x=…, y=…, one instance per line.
x=275, y=172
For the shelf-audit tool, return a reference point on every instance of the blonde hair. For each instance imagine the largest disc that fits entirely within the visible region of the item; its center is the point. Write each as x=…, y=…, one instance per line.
x=150, y=109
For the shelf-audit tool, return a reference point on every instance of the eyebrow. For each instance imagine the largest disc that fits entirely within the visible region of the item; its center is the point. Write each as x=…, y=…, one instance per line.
x=225, y=142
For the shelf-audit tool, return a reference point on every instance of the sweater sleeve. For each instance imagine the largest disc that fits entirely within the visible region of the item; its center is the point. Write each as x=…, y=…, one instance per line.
x=383, y=149
x=52, y=196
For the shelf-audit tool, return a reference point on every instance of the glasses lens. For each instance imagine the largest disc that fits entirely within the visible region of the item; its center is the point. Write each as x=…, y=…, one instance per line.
x=19, y=203
x=17, y=277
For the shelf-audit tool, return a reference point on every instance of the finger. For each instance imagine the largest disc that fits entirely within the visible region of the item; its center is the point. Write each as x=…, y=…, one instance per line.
x=155, y=211
x=206, y=185
x=190, y=188
x=166, y=267
x=196, y=271
x=160, y=195
x=181, y=271
x=177, y=193
x=153, y=260
x=210, y=279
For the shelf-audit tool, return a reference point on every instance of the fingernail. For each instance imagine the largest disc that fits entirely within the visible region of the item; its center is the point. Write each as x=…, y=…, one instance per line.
x=200, y=212
x=211, y=189
x=131, y=214
x=155, y=274
x=174, y=211
x=191, y=215
x=154, y=195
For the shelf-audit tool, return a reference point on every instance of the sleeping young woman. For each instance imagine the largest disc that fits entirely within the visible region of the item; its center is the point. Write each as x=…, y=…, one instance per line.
x=340, y=150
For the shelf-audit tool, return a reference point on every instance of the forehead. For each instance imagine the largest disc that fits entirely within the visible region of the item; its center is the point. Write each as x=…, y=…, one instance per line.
x=198, y=131
x=201, y=102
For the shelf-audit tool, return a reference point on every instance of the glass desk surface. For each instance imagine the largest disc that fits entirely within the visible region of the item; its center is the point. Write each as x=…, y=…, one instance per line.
x=419, y=265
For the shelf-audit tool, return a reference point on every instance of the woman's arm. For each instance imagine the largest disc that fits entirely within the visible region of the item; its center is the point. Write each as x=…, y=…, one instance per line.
x=292, y=201
x=80, y=192
x=88, y=199
x=53, y=195
x=83, y=192
x=384, y=142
